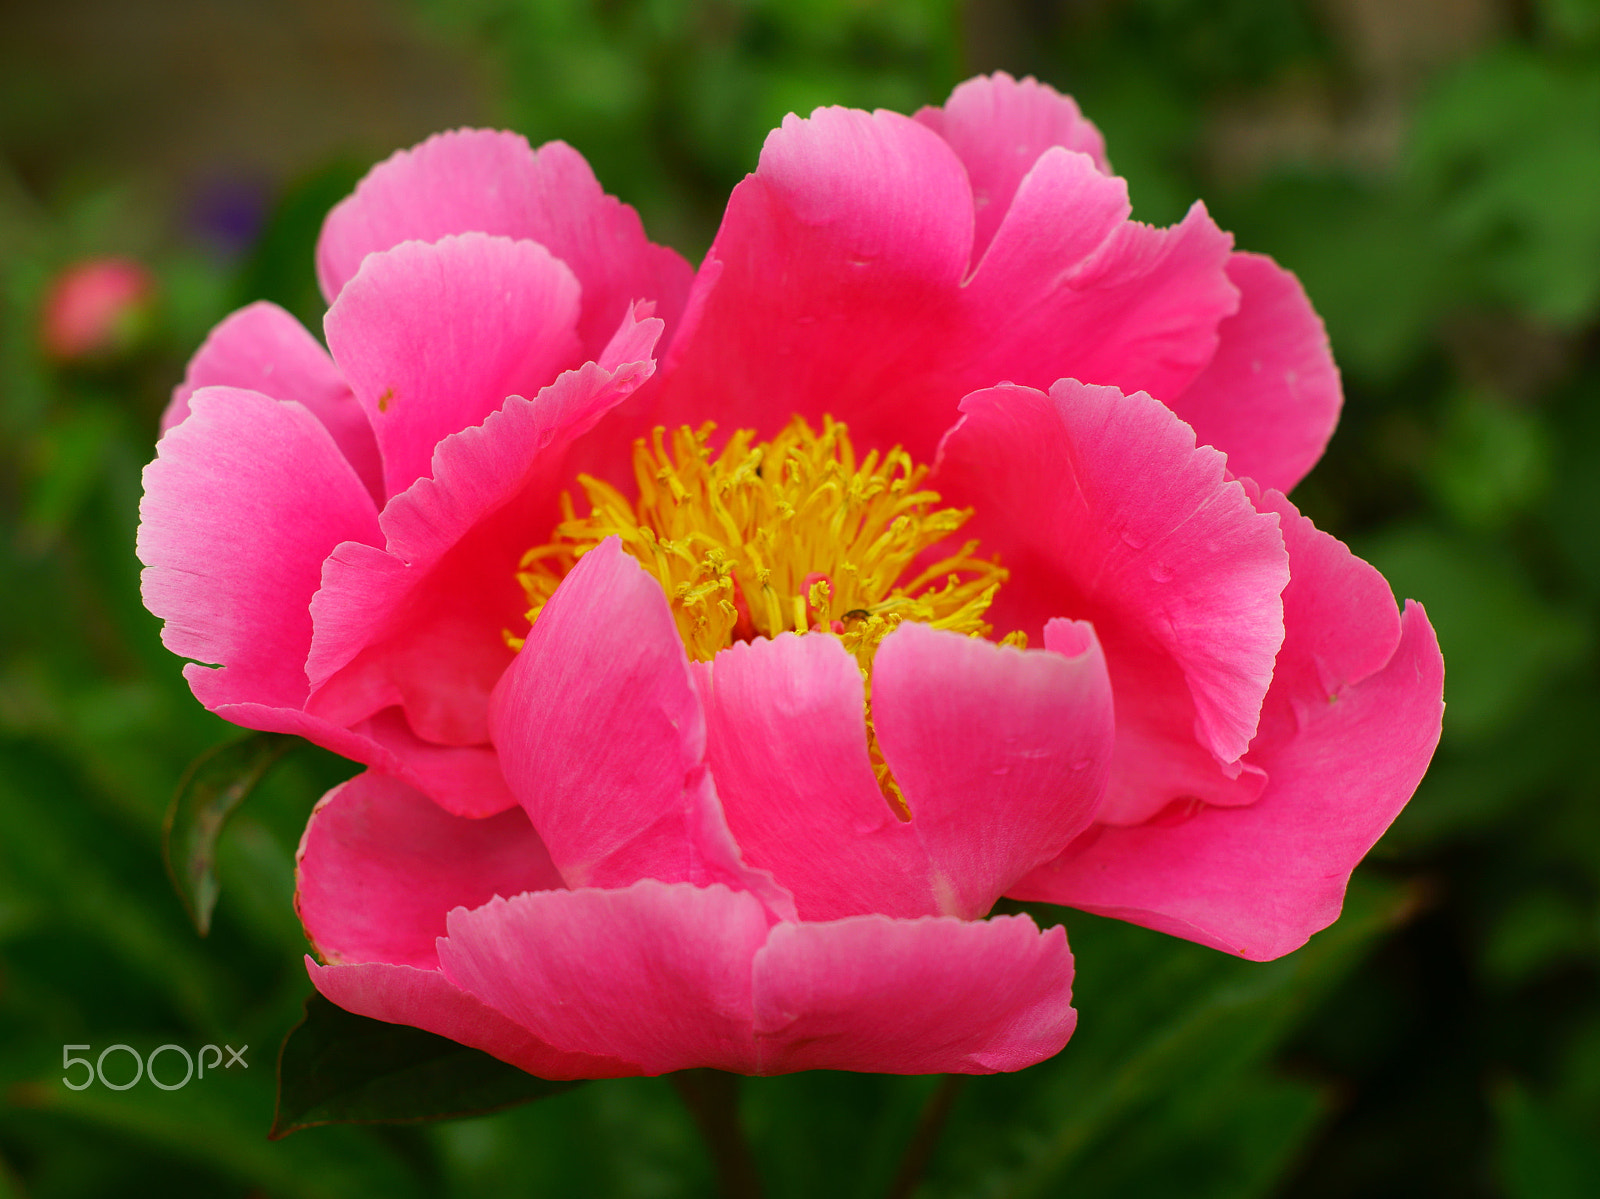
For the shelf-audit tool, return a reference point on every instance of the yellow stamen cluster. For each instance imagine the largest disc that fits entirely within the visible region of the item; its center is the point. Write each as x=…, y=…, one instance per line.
x=788, y=535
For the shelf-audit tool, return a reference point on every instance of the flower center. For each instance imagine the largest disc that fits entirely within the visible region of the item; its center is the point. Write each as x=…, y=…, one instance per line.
x=788, y=535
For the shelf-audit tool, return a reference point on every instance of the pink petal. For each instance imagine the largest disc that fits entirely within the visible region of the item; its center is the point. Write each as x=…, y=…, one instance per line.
x=999, y=127
x=656, y=973
x=1065, y=292
x=787, y=743
x=427, y=1000
x=262, y=348
x=475, y=180
x=1271, y=396
x=1340, y=625
x=833, y=285
x=602, y=738
x=433, y=338
x=1002, y=753
x=1104, y=510
x=430, y=643
x=380, y=864
x=912, y=996
x=1160, y=759
x=242, y=504
x=1002, y=756
x=463, y=780
x=838, y=283
x=1347, y=733
x=420, y=623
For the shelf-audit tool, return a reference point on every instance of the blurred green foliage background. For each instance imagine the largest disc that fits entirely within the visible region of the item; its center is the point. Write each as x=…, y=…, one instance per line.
x=1431, y=168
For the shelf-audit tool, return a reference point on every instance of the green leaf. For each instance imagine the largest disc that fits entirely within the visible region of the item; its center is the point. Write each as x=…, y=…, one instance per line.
x=339, y=1068
x=206, y=1134
x=10, y=1184
x=1505, y=154
x=1505, y=642
x=1170, y=1037
x=1534, y=933
x=85, y=880
x=1542, y=1156
x=68, y=458
x=1492, y=460
x=1237, y=1145
x=211, y=790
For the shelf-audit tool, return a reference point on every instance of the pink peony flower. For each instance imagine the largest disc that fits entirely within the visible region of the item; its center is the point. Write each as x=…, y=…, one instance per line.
x=983, y=583
x=95, y=307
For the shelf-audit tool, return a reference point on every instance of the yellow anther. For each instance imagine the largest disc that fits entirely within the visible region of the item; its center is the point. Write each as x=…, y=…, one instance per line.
x=789, y=535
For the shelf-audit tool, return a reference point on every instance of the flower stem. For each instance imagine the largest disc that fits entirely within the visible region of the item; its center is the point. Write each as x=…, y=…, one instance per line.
x=712, y=1098
x=925, y=1139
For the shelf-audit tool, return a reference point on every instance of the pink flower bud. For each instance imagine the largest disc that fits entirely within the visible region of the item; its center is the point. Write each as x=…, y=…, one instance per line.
x=96, y=308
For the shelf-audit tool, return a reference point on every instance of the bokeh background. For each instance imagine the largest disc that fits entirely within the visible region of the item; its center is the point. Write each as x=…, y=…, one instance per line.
x=1430, y=168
